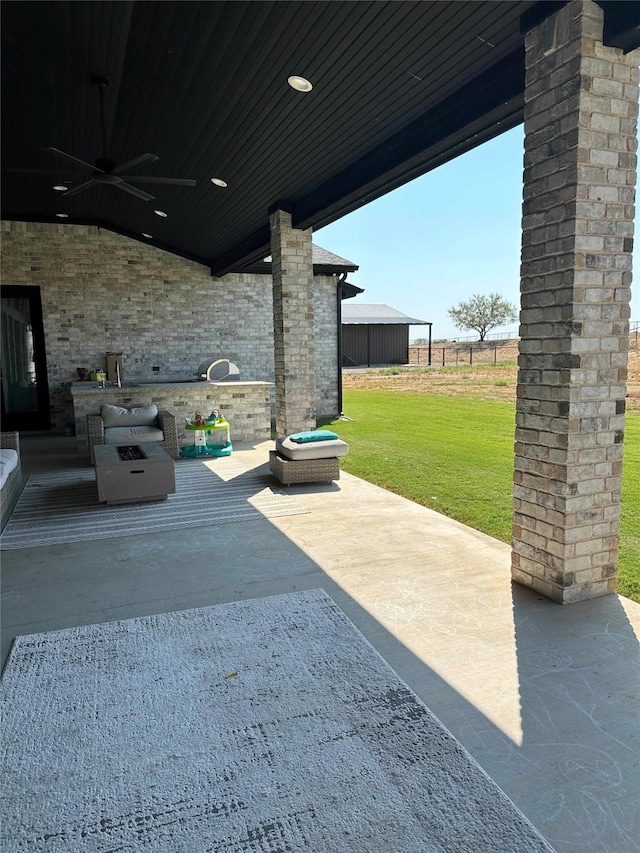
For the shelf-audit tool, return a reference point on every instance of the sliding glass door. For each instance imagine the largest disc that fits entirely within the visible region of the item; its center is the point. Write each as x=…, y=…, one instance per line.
x=23, y=368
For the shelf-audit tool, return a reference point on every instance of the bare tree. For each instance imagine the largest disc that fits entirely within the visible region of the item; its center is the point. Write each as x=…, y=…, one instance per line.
x=483, y=313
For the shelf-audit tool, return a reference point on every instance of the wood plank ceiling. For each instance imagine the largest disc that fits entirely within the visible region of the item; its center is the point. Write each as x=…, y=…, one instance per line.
x=398, y=88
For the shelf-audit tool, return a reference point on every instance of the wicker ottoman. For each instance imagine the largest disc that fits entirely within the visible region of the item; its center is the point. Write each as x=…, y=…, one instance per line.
x=308, y=462
x=290, y=471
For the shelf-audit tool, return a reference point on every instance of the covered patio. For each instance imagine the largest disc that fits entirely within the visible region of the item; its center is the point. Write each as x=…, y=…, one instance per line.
x=540, y=695
x=259, y=144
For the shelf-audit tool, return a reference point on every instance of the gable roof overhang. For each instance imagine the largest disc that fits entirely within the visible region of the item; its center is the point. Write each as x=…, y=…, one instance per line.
x=398, y=88
x=324, y=263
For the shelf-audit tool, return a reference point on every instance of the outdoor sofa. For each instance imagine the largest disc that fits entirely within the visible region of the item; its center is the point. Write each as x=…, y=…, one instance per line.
x=10, y=474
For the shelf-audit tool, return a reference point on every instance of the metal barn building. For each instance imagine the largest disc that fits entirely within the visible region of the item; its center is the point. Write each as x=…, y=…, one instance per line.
x=375, y=334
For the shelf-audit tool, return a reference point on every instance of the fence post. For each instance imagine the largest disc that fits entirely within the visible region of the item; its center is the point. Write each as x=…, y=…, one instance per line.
x=444, y=349
x=495, y=355
x=470, y=356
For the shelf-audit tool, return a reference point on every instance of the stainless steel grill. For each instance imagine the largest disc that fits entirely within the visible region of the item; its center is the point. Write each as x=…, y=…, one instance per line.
x=220, y=370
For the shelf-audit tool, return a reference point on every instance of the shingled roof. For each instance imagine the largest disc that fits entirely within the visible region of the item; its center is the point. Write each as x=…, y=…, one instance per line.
x=322, y=257
x=323, y=262
x=376, y=315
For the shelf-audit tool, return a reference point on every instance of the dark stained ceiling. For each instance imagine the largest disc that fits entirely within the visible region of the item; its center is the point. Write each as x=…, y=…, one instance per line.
x=398, y=88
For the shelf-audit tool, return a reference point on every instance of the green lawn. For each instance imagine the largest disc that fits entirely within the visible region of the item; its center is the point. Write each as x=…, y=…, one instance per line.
x=455, y=455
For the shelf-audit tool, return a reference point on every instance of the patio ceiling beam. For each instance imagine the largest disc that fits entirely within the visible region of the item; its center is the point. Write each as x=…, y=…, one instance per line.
x=490, y=105
x=255, y=247
x=621, y=21
x=621, y=24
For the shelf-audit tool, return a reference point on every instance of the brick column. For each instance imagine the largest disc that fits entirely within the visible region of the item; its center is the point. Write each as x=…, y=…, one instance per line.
x=294, y=347
x=581, y=104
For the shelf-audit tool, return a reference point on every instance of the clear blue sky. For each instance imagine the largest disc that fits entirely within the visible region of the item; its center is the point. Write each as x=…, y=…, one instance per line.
x=442, y=238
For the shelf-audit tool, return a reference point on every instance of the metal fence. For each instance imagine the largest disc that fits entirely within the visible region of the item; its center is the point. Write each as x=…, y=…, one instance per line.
x=471, y=351
x=456, y=353
x=491, y=336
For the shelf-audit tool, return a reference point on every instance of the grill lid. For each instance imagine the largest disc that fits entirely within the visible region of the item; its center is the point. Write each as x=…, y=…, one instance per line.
x=220, y=370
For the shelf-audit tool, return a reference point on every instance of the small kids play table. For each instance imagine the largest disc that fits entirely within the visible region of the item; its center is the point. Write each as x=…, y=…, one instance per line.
x=209, y=439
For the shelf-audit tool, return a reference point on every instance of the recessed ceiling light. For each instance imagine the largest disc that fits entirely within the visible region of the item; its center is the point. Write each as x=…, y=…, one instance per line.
x=148, y=236
x=300, y=84
x=219, y=182
x=63, y=215
x=59, y=188
x=161, y=213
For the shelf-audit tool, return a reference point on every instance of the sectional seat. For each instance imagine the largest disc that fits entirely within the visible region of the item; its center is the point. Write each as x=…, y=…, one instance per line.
x=10, y=474
x=140, y=424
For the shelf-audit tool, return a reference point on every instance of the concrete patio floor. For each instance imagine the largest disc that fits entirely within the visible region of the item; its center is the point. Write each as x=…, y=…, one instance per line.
x=544, y=697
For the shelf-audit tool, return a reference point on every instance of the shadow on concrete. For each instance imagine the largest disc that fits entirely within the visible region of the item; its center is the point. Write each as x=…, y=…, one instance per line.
x=578, y=673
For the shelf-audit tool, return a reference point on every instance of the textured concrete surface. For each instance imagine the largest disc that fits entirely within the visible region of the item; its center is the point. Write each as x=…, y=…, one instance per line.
x=232, y=728
x=544, y=697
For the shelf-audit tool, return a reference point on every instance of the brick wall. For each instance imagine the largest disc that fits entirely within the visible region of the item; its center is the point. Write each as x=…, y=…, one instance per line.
x=326, y=345
x=293, y=311
x=581, y=106
x=104, y=292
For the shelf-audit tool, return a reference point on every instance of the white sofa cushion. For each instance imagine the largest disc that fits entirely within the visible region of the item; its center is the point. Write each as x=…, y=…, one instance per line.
x=132, y=434
x=117, y=416
x=8, y=463
x=312, y=449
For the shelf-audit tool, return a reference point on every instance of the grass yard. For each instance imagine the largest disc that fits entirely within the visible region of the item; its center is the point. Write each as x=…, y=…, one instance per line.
x=454, y=454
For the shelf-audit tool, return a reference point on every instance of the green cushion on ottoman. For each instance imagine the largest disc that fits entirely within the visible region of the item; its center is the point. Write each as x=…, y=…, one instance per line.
x=313, y=435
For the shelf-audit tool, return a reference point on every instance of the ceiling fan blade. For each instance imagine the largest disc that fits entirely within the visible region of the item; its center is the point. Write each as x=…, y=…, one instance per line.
x=80, y=188
x=72, y=158
x=133, y=191
x=143, y=160
x=145, y=179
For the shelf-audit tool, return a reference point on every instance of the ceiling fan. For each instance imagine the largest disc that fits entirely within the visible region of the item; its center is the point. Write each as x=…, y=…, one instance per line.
x=105, y=170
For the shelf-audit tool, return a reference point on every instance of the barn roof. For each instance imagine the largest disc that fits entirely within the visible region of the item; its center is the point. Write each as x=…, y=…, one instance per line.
x=376, y=315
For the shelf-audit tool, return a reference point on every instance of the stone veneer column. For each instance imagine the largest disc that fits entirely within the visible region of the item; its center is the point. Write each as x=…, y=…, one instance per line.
x=294, y=349
x=581, y=104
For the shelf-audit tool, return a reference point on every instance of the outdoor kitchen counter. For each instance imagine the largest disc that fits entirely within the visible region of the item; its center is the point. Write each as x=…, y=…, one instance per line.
x=246, y=405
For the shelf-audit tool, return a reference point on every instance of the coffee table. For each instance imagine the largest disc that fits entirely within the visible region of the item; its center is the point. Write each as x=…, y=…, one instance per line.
x=133, y=473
